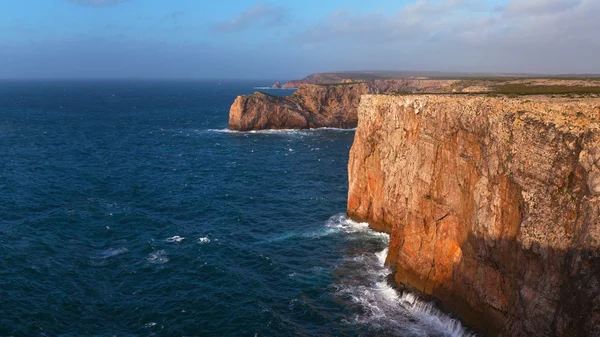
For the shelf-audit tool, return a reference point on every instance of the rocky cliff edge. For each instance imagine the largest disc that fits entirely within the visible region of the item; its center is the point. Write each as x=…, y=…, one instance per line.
x=492, y=203
x=317, y=105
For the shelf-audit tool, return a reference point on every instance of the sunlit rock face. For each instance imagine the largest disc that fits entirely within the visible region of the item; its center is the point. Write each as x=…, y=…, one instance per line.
x=312, y=106
x=492, y=204
x=317, y=105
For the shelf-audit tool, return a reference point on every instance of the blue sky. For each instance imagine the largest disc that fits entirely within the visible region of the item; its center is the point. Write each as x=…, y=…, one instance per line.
x=291, y=39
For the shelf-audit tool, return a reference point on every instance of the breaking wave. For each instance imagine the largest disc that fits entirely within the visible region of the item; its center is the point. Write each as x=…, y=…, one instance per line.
x=282, y=131
x=271, y=88
x=377, y=303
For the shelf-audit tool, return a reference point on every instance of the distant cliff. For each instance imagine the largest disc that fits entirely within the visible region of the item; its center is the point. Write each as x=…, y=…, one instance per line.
x=314, y=106
x=311, y=106
x=492, y=203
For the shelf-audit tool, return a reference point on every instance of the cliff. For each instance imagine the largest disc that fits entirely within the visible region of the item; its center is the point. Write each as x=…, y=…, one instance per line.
x=314, y=106
x=493, y=205
x=311, y=106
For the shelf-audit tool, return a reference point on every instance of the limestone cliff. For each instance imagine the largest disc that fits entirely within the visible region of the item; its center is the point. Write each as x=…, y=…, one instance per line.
x=314, y=106
x=493, y=205
x=311, y=106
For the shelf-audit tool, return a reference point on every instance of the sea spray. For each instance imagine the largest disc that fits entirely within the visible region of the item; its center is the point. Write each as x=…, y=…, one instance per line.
x=380, y=305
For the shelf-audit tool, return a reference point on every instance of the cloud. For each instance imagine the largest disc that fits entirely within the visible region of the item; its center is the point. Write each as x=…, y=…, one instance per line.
x=261, y=14
x=540, y=7
x=522, y=35
x=419, y=19
x=98, y=3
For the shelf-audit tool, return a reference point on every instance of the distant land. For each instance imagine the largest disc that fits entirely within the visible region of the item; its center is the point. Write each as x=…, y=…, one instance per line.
x=332, y=99
x=366, y=75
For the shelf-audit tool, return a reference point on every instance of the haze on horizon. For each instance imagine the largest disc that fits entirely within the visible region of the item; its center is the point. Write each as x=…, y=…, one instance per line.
x=283, y=39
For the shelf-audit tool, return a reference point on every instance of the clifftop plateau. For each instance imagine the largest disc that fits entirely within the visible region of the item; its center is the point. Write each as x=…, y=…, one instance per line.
x=333, y=100
x=314, y=106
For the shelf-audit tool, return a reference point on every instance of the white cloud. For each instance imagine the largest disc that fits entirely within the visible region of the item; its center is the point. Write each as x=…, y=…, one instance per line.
x=258, y=15
x=523, y=35
x=540, y=7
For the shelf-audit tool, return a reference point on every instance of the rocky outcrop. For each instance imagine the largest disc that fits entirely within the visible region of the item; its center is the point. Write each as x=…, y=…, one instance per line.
x=493, y=205
x=314, y=106
x=311, y=106
x=276, y=85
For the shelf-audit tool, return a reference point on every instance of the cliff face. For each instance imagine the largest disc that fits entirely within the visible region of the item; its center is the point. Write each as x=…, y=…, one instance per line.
x=311, y=106
x=314, y=106
x=493, y=205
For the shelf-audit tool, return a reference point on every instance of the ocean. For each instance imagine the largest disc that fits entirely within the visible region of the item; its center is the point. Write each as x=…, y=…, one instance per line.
x=128, y=209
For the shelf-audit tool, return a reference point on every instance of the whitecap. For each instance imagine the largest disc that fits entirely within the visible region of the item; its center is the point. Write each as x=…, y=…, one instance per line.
x=158, y=257
x=337, y=224
x=303, y=132
x=204, y=240
x=175, y=238
x=383, y=307
x=340, y=223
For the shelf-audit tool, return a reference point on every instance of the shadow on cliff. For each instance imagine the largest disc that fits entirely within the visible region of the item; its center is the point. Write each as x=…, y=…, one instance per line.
x=498, y=287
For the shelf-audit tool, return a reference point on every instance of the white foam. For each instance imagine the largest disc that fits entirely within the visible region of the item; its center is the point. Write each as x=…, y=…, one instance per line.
x=204, y=240
x=381, y=305
x=381, y=256
x=158, y=257
x=303, y=132
x=340, y=223
x=175, y=238
x=427, y=312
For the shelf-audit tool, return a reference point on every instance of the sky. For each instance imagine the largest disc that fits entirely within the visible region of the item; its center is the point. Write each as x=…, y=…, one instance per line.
x=249, y=39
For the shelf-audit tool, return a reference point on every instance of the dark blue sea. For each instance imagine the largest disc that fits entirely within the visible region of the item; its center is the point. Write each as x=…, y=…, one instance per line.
x=128, y=209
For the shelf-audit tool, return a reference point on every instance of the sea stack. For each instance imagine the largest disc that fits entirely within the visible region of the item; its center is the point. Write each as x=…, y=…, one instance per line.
x=492, y=204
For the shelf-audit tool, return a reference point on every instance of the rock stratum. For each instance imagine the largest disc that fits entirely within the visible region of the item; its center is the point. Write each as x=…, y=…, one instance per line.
x=317, y=105
x=492, y=204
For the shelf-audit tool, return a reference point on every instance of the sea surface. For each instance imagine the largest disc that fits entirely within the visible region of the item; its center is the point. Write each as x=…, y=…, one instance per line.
x=128, y=209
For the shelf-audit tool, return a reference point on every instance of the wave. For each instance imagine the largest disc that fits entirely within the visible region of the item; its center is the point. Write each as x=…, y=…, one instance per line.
x=271, y=88
x=282, y=131
x=175, y=238
x=158, y=257
x=379, y=304
x=340, y=223
x=335, y=225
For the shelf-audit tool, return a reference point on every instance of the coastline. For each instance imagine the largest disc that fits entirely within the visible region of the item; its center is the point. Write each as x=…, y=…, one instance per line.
x=542, y=106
